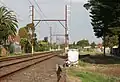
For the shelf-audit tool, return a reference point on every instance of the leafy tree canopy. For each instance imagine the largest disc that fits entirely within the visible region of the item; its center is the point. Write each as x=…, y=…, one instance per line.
x=104, y=15
x=83, y=43
x=111, y=41
x=23, y=33
x=8, y=23
x=93, y=44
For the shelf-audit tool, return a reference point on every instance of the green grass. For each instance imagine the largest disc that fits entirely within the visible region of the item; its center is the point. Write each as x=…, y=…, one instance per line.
x=83, y=64
x=12, y=55
x=15, y=54
x=92, y=77
x=89, y=52
x=85, y=75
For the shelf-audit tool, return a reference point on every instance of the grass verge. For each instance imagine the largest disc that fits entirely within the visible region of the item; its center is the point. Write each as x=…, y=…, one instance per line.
x=91, y=77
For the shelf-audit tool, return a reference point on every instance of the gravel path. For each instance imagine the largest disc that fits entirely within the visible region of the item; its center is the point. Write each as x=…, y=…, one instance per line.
x=42, y=72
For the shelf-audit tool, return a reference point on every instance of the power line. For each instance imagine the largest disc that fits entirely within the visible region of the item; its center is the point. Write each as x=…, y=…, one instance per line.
x=38, y=11
x=30, y=2
x=42, y=17
x=4, y=4
x=34, y=7
x=41, y=12
x=9, y=8
x=39, y=8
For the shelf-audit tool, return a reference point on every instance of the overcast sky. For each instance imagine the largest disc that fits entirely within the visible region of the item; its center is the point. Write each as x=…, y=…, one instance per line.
x=79, y=21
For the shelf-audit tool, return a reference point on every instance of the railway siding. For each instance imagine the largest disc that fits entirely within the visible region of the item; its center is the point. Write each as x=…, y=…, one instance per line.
x=41, y=72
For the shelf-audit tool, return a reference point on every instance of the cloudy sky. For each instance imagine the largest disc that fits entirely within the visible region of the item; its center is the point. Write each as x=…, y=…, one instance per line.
x=78, y=19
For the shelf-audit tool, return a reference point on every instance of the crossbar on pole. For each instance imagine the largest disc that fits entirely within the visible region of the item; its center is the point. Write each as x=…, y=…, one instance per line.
x=58, y=35
x=50, y=20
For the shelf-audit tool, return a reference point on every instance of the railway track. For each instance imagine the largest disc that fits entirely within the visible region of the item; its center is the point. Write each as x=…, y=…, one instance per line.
x=21, y=56
x=12, y=65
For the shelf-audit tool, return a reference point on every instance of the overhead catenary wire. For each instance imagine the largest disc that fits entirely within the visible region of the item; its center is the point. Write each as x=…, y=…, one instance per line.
x=39, y=8
x=38, y=11
x=44, y=16
x=30, y=2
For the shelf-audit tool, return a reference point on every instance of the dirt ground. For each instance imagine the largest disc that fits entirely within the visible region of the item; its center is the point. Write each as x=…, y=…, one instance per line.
x=111, y=70
x=107, y=65
x=73, y=79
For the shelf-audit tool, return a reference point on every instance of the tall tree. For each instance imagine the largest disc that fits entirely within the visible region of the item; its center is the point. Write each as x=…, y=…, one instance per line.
x=105, y=16
x=73, y=45
x=111, y=41
x=26, y=37
x=23, y=43
x=83, y=43
x=93, y=44
x=8, y=23
x=23, y=33
x=43, y=46
x=100, y=18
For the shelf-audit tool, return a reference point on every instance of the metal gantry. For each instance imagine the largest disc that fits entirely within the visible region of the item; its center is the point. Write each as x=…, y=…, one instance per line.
x=65, y=26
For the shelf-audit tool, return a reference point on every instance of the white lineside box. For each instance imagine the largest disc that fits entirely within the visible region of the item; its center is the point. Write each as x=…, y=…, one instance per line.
x=73, y=56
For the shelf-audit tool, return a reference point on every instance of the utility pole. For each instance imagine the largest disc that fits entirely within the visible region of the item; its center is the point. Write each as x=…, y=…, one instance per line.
x=66, y=31
x=50, y=38
x=33, y=29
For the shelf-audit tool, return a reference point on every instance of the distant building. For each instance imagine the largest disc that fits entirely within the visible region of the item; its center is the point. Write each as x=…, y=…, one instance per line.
x=13, y=38
x=87, y=47
x=15, y=43
x=99, y=45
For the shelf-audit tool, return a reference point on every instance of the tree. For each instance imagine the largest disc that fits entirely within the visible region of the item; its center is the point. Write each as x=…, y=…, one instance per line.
x=23, y=43
x=73, y=45
x=23, y=33
x=100, y=18
x=105, y=17
x=111, y=41
x=43, y=46
x=8, y=24
x=83, y=43
x=93, y=44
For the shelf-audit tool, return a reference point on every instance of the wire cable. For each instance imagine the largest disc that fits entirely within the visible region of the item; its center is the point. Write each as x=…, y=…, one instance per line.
x=9, y=8
x=41, y=12
x=38, y=11
x=30, y=2
x=39, y=8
